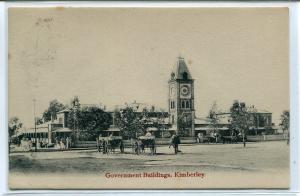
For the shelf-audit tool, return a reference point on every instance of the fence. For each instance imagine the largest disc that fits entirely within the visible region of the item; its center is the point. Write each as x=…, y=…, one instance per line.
x=259, y=138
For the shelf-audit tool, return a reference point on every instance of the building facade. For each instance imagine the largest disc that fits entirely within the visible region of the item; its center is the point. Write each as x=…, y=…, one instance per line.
x=181, y=99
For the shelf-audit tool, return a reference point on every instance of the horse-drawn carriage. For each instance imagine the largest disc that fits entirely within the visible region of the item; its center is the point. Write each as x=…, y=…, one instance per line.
x=142, y=143
x=232, y=139
x=110, y=140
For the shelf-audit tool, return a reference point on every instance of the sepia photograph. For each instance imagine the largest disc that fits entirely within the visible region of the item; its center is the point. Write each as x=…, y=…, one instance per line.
x=148, y=98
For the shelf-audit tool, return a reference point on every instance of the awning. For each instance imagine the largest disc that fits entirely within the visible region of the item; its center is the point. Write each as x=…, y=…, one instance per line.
x=38, y=130
x=152, y=129
x=63, y=130
x=210, y=128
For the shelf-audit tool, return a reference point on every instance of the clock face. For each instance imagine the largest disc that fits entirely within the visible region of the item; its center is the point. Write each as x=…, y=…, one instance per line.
x=185, y=91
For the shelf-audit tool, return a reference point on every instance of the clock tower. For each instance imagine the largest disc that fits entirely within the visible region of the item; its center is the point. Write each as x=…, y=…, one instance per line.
x=181, y=99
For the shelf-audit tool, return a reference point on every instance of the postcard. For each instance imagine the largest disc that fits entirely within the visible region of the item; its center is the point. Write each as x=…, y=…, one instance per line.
x=148, y=98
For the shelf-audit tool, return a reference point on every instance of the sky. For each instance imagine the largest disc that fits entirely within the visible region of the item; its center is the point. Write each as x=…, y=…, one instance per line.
x=120, y=55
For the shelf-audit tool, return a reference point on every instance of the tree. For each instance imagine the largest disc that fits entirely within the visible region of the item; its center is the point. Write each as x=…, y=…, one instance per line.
x=74, y=115
x=159, y=122
x=14, y=124
x=184, y=122
x=214, y=117
x=130, y=122
x=54, y=107
x=241, y=119
x=155, y=118
x=91, y=121
x=285, y=122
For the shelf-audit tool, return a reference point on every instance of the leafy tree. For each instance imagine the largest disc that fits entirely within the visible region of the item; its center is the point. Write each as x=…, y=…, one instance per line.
x=91, y=121
x=130, y=122
x=241, y=119
x=184, y=122
x=54, y=107
x=155, y=119
x=285, y=122
x=88, y=121
x=14, y=124
x=73, y=117
x=214, y=117
x=159, y=122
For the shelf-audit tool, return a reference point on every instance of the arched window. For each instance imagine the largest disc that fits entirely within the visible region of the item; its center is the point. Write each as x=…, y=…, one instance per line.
x=187, y=104
x=184, y=75
x=182, y=104
x=172, y=103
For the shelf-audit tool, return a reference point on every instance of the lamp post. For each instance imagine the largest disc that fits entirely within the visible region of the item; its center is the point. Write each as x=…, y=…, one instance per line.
x=35, y=134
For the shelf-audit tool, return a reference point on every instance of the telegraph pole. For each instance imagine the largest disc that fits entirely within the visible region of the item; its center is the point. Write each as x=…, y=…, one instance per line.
x=35, y=134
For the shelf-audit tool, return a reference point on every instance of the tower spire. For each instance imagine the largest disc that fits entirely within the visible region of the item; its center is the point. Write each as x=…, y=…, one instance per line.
x=181, y=70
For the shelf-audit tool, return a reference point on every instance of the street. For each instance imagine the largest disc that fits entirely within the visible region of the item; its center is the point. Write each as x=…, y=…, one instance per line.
x=258, y=161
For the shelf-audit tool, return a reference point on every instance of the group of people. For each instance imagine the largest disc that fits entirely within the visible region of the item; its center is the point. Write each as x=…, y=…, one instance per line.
x=214, y=137
x=26, y=144
x=63, y=143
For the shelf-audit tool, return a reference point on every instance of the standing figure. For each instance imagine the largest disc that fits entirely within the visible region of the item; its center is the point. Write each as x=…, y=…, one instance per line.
x=121, y=147
x=136, y=147
x=29, y=144
x=67, y=143
x=175, y=141
x=104, y=144
x=200, y=138
x=62, y=145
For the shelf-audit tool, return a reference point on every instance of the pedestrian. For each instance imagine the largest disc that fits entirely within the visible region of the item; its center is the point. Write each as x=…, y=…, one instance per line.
x=121, y=147
x=175, y=141
x=104, y=147
x=199, y=137
x=62, y=145
x=70, y=142
x=136, y=147
x=29, y=144
x=67, y=143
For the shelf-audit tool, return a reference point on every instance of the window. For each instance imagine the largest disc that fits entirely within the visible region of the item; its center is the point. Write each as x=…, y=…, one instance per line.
x=60, y=120
x=187, y=104
x=172, y=104
x=172, y=119
x=182, y=104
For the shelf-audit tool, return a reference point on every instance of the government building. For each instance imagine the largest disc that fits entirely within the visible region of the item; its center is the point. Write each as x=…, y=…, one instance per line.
x=180, y=117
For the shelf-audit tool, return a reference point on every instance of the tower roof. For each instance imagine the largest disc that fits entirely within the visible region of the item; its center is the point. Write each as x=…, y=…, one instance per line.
x=180, y=70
